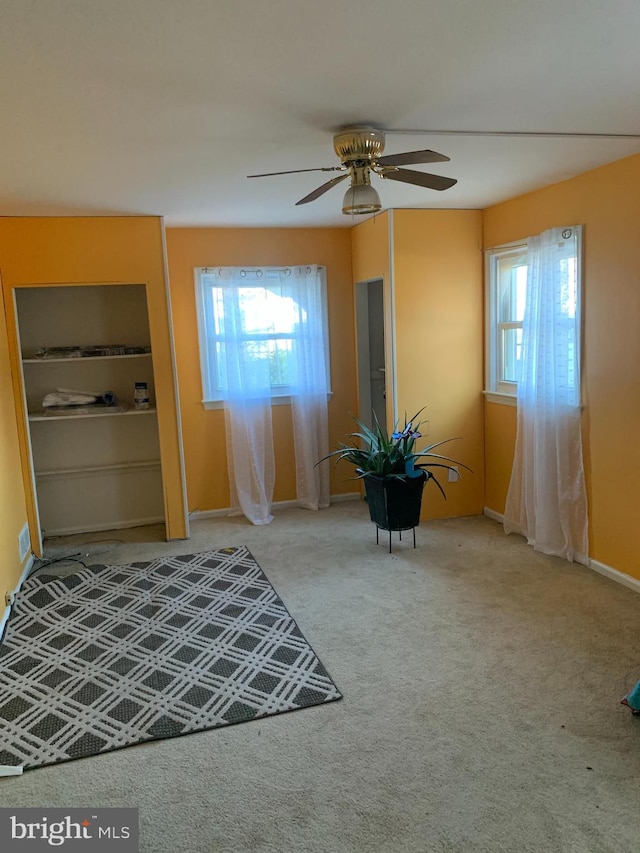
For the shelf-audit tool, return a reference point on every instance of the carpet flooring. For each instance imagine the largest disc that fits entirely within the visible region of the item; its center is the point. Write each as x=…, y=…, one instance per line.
x=481, y=711
x=113, y=656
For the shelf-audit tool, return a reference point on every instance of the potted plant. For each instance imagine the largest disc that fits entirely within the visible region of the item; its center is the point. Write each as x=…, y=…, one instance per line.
x=394, y=471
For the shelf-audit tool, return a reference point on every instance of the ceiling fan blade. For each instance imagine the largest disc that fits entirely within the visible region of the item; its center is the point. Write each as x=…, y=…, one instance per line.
x=321, y=190
x=410, y=158
x=420, y=179
x=296, y=171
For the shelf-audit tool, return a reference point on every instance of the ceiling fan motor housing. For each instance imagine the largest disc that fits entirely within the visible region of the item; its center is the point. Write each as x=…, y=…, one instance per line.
x=360, y=144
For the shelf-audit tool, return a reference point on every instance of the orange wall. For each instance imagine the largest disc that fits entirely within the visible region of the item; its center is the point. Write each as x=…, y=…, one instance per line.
x=93, y=250
x=370, y=248
x=499, y=445
x=607, y=202
x=438, y=297
x=13, y=514
x=203, y=431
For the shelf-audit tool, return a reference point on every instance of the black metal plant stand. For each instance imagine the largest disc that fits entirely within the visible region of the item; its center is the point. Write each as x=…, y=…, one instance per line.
x=378, y=529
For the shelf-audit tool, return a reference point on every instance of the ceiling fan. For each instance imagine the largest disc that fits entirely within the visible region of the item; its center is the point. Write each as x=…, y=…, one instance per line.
x=360, y=148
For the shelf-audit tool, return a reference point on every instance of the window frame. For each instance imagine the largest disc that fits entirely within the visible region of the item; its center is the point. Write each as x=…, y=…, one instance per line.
x=497, y=388
x=280, y=394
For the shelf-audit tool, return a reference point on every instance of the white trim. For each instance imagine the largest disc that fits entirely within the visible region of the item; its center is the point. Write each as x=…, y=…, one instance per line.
x=31, y=495
x=614, y=575
x=392, y=308
x=228, y=512
x=85, y=412
x=25, y=574
x=489, y=335
x=594, y=565
x=491, y=513
x=347, y=496
x=85, y=358
x=176, y=389
x=498, y=397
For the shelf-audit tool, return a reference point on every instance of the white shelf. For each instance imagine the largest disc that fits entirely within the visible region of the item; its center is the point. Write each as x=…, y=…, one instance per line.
x=103, y=414
x=100, y=469
x=80, y=360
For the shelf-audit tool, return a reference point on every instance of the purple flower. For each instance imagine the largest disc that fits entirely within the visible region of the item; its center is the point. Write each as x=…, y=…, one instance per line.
x=407, y=432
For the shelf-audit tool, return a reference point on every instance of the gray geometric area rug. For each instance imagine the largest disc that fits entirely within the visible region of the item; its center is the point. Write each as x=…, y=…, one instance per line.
x=118, y=655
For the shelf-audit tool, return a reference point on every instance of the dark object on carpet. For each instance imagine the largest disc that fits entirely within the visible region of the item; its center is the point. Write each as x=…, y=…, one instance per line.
x=118, y=655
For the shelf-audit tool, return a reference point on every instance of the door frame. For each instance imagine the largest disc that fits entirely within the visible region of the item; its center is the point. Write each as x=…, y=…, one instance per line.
x=362, y=347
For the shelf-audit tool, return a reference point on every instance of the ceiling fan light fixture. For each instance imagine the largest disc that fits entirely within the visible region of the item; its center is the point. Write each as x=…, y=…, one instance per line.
x=361, y=199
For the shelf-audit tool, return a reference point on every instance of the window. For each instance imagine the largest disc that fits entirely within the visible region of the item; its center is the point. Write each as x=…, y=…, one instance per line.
x=506, y=277
x=262, y=318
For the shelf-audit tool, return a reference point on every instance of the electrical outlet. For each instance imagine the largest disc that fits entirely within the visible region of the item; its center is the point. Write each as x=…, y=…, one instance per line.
x=454, y=474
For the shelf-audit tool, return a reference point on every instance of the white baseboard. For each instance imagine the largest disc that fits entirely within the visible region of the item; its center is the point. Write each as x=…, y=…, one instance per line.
x=615, y=575
x=349, y=496
x=491, y=513
x=25, y=574
x=587, y=562
x=226, y=512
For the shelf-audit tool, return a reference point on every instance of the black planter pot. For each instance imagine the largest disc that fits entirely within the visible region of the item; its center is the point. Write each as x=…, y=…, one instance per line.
x=394, y=504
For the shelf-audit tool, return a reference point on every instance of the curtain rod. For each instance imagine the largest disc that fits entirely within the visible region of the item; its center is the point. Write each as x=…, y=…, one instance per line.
x=259, y=270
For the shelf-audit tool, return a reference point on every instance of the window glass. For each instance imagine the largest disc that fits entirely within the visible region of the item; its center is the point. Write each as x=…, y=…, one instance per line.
x=266, y=324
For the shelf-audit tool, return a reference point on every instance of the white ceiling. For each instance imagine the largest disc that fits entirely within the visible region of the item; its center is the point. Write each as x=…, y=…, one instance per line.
x=164, y=106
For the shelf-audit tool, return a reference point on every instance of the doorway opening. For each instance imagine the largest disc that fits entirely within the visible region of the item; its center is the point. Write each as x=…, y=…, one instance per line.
x=372, y=368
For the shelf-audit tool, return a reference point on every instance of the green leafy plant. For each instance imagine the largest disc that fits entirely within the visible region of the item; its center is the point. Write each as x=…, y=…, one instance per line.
x=375, y=453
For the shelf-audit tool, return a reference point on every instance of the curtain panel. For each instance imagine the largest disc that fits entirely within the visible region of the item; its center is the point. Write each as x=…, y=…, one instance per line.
x=264, y=334
x=546, y=500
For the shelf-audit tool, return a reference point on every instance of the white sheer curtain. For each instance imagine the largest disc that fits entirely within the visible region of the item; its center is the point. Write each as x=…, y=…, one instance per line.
x=546, y=501
x=309, y=385
x=249, y=432
x=262, y=332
